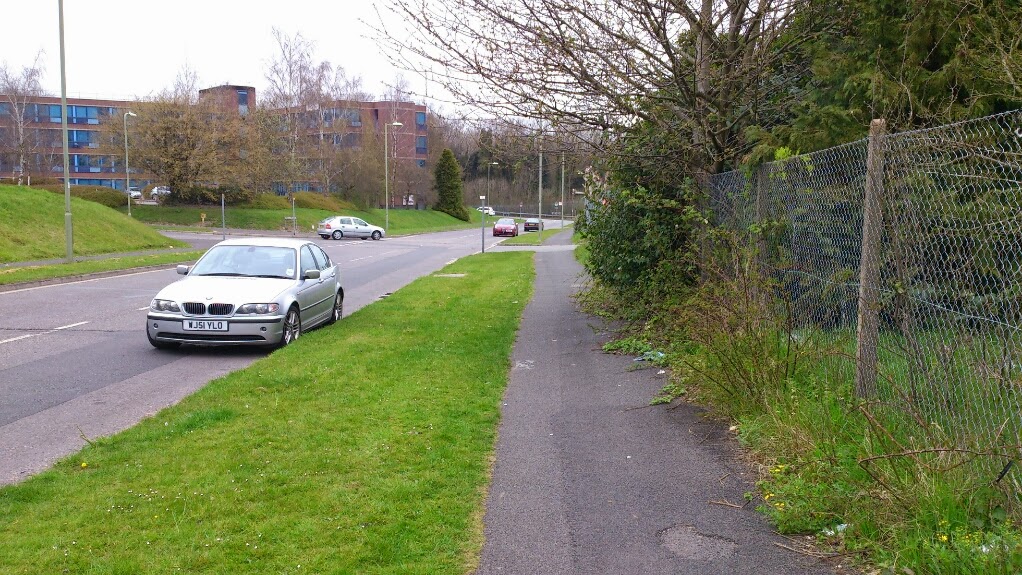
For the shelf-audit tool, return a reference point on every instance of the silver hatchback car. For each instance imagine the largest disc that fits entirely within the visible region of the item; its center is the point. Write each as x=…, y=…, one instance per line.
x=251, y=291
x=338, y=227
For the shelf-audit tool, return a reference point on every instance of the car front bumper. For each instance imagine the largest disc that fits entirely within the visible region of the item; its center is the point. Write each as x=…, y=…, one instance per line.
x=261, y=330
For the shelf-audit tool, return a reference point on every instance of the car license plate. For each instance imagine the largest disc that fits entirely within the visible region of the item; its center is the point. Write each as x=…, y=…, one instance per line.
x=205, y=325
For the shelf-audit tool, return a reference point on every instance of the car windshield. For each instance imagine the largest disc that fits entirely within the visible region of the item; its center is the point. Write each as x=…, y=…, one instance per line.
x=505, y=222
x=246, y=261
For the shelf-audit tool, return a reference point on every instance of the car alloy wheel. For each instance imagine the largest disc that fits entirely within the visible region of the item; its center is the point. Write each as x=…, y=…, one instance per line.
x=338, y=308
x=337, y=234
x=377, y=235
x=292, y=327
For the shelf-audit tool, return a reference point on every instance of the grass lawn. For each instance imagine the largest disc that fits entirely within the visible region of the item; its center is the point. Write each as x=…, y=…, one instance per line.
x=363, y=448
x=62, y=270
x=402, y=222
x=32, y=227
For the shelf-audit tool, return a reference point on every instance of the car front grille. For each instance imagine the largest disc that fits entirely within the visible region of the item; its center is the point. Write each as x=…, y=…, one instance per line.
x=197, y=308
x=220, y=309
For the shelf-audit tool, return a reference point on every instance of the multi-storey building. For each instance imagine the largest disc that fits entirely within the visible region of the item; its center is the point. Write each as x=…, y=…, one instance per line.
x=32, y=147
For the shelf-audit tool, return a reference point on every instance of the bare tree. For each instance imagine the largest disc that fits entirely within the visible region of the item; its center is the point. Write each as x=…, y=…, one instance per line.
x=707, y=69
x=18, y=89
x=298, y=85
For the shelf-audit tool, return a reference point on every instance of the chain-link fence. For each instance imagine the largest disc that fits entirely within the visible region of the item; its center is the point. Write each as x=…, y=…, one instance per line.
x=908, y=247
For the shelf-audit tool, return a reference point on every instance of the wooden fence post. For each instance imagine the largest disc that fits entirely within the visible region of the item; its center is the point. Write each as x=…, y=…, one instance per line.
x=867, y=333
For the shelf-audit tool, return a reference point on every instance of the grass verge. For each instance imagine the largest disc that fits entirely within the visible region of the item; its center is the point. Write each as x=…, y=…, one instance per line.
x=532, y=238
x=62, y=270
x=364, y=448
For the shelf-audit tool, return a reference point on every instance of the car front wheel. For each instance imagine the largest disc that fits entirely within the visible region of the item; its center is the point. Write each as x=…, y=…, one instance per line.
x=337, y=234
x=338, y=308
x=377, y=235
x=292, y=327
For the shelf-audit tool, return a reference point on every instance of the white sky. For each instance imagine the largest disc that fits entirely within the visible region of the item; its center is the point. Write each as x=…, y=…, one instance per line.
x=126, y=49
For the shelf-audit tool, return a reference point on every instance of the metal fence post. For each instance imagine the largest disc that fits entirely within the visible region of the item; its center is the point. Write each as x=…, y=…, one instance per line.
x=872, y=222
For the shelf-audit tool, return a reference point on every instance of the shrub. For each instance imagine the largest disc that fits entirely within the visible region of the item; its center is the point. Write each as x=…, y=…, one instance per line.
x=108, y=197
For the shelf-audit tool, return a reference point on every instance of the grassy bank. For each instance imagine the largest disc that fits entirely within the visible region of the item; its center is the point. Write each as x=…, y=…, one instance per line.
x=63, y=270
x=402, y=222
x=32, y=227
x=287, y=467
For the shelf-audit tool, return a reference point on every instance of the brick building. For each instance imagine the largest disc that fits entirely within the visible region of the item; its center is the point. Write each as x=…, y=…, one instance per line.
x=40, y=150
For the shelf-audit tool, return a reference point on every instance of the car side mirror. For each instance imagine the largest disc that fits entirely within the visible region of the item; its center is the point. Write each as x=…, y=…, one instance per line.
x=183, y=270
x=312, y=274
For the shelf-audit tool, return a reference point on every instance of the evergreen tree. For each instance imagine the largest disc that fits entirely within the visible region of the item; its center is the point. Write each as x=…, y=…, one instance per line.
x=448, y=186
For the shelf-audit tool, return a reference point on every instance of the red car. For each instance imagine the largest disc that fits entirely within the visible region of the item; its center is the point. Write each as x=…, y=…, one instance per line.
x=505, y=227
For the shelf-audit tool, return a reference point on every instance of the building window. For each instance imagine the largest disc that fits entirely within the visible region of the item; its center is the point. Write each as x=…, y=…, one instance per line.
x=420, y=144
x=420, y=120
x=421, y=163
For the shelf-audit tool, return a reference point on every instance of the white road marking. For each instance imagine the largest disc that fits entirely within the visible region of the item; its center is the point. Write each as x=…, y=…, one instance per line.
x=28, y=335
x=143, y=308
x=81, y=282
x=16, y=338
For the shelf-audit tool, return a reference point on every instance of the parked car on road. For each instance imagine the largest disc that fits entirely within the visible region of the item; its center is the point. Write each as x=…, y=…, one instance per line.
x=159, y=191
x=486, y=210
x=338, y=227
x=134, y=193
x=248, y=291
x=505, y=227
x=533, y=225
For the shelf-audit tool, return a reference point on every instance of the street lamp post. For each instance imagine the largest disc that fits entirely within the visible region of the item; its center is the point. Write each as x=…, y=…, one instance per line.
x=63, y=130
x=488, y=164
x=386, y=176
x=539, y=209
x=482, y=224
x=127, y=173
x=562, y=190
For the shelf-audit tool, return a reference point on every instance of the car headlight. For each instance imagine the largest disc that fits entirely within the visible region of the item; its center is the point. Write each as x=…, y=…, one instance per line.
x=258, y=308
x=164, y=305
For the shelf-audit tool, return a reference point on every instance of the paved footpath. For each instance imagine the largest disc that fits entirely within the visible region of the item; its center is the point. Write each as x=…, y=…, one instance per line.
x=589, y=479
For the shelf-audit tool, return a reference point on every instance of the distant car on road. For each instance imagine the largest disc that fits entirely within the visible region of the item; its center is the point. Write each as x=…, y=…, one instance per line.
x=248, y=291
x=486, y=210
x=533, y=225
x=158, y=191
x=338, y=227
x=505, y=227
x=134, y=193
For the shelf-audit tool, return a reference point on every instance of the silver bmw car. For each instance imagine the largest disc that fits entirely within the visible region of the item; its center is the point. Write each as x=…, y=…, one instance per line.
x=250, y=291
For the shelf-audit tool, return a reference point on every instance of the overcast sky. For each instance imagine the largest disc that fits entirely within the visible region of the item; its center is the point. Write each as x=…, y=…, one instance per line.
x=126, y=49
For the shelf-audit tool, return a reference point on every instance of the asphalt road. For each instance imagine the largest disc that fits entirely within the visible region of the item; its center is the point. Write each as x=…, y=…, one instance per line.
x=75, y=362
x=591, y=479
